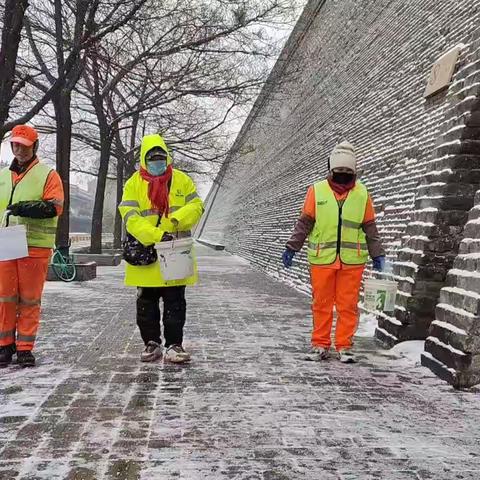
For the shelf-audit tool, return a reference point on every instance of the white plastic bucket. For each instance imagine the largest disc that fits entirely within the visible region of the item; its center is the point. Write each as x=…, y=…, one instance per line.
x=176, y=259
x=13, y=243
x=380, y=295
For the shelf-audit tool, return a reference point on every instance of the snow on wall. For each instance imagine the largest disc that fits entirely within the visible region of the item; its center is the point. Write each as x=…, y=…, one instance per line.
x=443, y=198
x=454, y=340
x=357, y=70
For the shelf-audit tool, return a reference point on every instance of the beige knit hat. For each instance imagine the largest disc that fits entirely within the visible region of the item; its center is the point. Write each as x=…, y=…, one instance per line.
x=343, y=155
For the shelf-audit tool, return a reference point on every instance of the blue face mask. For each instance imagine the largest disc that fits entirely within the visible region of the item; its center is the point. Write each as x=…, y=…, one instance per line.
x=157, y=167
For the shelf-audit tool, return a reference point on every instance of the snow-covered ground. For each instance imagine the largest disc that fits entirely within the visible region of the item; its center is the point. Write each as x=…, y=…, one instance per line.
x=248, y=406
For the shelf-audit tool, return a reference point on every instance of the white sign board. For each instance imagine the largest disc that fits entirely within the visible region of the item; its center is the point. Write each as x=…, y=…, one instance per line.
x=442, y=72
x=6, y=155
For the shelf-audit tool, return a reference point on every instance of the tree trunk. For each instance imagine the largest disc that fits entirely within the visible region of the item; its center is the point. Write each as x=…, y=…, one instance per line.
x=11, y=35
x=61, y=104
x=117, y=234
x=97, y=220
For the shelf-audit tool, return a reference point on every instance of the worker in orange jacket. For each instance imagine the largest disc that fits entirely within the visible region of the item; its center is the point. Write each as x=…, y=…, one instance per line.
x=32, y=194
x=339, y=220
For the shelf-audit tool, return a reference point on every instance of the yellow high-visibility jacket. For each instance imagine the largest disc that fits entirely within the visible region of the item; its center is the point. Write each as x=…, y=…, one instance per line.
x=140, y=218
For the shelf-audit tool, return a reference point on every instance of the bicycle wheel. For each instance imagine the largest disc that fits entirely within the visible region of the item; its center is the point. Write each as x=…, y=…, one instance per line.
x=63, y=267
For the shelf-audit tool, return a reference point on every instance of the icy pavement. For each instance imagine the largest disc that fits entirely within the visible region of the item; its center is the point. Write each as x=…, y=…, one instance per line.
x=248, y=407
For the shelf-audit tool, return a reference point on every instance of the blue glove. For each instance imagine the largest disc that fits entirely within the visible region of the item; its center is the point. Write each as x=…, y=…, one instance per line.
x=379, y=263
x=287, y=257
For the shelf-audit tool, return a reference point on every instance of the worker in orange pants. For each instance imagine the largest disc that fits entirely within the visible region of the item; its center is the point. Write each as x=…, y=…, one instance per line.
x=338, y=219
x=340, y=288
x=32, y=194
x=22, y=296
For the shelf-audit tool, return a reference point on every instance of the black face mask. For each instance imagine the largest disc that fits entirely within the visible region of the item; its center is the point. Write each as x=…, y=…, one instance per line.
x=343, y=178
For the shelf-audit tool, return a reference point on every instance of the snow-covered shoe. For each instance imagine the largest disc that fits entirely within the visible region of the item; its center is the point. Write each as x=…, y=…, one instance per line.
x=25, y=358
x=347, y=356
x=152, y=352
x=6, y=354
x=176, y=354
x=317, y=354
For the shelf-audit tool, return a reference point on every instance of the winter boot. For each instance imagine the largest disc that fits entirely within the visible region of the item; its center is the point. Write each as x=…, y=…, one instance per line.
x=346, y=356
x=25, y=358
x=176, y=354
x=6, y=354
x=152, y=352
x=317, y=354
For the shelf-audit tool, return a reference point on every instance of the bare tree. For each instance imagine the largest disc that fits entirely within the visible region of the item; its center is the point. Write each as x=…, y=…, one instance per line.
x=178, y=67
x=14, y=12
x=166, y=72
x=58, y=38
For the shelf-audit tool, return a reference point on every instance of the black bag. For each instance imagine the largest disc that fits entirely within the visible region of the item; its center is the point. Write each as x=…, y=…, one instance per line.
x=137, y=254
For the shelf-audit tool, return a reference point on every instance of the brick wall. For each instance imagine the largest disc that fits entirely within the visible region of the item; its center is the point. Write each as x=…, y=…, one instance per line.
x=443, y=199
x=357, y=70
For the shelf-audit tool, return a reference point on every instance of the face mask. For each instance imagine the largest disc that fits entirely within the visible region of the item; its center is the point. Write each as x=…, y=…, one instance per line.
x=342, y=178
x=157, y=167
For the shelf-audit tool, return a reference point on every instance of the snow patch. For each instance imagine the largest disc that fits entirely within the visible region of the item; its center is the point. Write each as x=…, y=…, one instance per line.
x=410, y=350
x=367, y=325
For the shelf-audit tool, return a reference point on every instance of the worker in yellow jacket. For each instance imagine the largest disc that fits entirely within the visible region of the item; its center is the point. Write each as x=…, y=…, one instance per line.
x=159, y=202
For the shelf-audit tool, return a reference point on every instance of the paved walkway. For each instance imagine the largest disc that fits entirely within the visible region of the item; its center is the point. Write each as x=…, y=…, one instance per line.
x=248, y=407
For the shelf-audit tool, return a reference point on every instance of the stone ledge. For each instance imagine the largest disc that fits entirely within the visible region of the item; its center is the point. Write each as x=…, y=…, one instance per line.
x=208, y=243
x=85, y=272
x=102, y=260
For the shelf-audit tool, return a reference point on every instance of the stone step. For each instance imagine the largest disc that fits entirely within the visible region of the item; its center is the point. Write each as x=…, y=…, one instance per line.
x=461, y=298
x=449, y=356
x=462, y=161
x=449, y=335
x=438, y=368
x=385, y=338
x=472, y=229
x=474, y=213
x=447, y=189
x=469, y=246
x=446, y=202
x=410, y=256
x=466, y=262
x=442, y=173
x=463, y=279
x=441, y=217
x=457, y=317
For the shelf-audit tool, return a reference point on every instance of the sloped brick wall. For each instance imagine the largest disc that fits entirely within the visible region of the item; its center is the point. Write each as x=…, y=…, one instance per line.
x=357, y=70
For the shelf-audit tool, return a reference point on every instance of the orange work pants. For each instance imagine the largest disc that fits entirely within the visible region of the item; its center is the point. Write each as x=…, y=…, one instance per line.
x=21, y=288
x=339, y=288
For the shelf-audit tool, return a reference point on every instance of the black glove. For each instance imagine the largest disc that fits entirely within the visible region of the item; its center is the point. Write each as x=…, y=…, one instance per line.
x=33, y=209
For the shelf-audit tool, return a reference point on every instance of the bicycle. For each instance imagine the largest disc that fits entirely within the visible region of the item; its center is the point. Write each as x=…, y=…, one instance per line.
x=63, y=265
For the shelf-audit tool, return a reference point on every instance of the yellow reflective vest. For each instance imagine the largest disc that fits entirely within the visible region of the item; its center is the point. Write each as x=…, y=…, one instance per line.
x=140, y=218
x=338, y=227
x=40, y=232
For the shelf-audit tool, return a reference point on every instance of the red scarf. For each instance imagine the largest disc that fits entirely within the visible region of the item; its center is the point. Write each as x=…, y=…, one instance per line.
x=158, y=189
x=339, y=188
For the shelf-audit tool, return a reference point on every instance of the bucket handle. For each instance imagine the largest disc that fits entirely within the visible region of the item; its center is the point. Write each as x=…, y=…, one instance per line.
x=5, y=218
